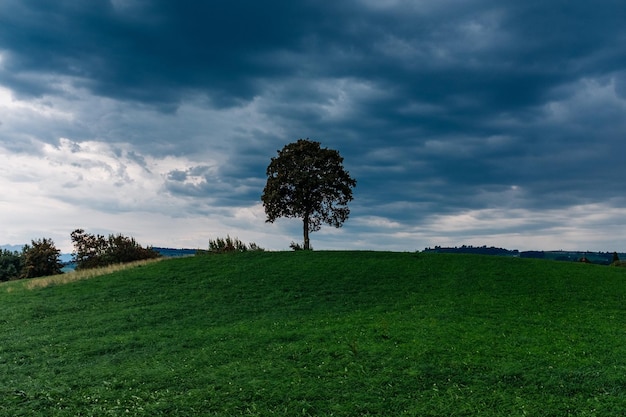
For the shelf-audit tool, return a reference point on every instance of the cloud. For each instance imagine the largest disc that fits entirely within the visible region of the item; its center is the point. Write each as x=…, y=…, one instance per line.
x=460, y=120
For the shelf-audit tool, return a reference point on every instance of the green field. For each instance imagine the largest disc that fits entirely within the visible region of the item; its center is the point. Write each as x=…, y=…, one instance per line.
x=320, y=334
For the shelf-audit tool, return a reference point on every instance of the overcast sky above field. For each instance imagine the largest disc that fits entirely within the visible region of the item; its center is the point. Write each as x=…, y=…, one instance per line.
x=475, y=122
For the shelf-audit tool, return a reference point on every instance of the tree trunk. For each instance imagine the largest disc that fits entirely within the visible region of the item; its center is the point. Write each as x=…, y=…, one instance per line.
x=307, y=244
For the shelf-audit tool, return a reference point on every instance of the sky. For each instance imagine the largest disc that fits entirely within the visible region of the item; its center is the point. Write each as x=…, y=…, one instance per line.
x=476, y=122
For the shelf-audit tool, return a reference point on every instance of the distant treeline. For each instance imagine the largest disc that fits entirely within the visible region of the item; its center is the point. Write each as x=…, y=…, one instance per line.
x=172, y=253
x=479, y=250
x=603, y=258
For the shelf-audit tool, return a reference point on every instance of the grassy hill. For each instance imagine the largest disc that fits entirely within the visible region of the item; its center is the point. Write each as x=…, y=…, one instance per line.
x=319, y=333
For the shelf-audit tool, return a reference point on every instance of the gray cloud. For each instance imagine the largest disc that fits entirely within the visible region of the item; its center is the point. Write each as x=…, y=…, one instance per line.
x=440, y=108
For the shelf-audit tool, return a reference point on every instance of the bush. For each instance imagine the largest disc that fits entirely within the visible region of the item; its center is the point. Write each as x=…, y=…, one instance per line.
x=93, y=251
x=296, y=246
x=228, y=244
x=41, y=259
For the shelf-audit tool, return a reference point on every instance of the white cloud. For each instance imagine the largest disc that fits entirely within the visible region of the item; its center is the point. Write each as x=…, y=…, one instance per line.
x=581, y=227
x=102, y=186
x=24, y=110
x=377, y=222
x=83, y=161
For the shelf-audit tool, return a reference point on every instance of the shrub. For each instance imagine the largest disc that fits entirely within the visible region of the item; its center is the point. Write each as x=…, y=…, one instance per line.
x=296, y=246
x=93, y=251
x=228, y=244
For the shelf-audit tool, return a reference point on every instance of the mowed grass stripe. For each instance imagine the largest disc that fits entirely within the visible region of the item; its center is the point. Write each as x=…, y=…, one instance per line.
x=320, y=333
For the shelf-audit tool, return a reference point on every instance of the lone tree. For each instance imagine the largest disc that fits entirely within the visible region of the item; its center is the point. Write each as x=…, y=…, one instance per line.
x=308, y=182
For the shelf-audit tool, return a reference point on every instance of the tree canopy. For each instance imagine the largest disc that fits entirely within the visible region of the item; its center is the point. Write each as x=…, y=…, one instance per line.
x=309, y=182
x=41, y=258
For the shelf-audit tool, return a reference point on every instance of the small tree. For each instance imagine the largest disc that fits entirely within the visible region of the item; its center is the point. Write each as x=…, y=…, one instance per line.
x=40, y=259
x=308, y=182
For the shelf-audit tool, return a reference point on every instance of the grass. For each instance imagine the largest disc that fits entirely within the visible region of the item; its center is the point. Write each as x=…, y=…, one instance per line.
x=79, y=275
x=319, y=334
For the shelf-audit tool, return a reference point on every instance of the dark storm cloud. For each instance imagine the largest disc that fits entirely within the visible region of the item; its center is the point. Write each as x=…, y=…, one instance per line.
x=147, y=51
x=469, y=57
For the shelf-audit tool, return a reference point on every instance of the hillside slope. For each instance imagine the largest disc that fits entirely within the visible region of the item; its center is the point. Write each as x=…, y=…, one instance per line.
x=320, y=333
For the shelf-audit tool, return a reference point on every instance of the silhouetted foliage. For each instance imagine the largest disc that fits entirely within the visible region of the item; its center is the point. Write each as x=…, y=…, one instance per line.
x=41, y=258
x=308, y=182
x=92, y=251
x=296, y=246
x=228, y=244
x=10, y=265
